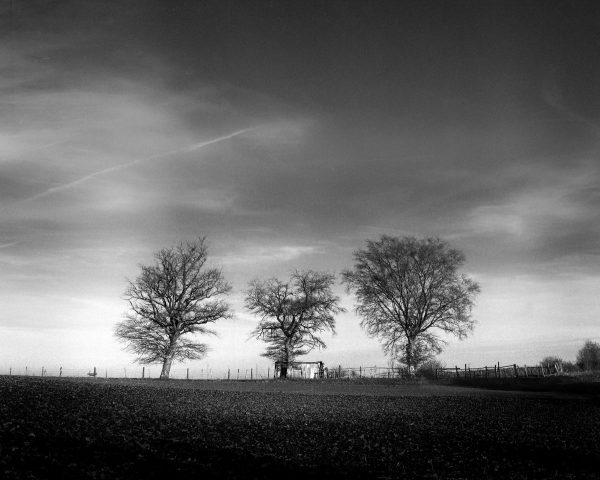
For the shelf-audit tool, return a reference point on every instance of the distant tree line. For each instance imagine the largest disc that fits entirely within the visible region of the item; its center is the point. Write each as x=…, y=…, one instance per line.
x=588, y=359
x=408, y=291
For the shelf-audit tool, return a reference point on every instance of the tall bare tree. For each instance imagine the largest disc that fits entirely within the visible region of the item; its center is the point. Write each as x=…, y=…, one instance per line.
x=408, y=291
x=293, y=314
x=588, y=357
x=170, y=302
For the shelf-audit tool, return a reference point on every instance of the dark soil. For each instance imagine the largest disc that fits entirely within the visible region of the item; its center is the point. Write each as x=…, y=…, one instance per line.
x=53, y=428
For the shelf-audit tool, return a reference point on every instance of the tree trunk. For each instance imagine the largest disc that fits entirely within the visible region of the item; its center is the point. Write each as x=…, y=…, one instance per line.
x=285, y=360
x=166, y=368
x=409, y=356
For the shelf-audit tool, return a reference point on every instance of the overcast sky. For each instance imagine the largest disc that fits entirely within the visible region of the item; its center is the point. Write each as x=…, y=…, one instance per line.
x=288, y=133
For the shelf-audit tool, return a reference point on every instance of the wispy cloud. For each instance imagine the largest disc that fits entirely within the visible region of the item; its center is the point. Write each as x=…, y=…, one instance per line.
x=116, y=168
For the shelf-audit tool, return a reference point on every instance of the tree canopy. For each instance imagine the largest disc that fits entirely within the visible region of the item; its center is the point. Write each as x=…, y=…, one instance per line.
x=170, y=302
x=293, y=313
x=408, y=291
x=588, y=357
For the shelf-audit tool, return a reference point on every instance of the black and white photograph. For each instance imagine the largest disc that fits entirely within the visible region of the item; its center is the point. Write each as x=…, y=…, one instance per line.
x=297, y=239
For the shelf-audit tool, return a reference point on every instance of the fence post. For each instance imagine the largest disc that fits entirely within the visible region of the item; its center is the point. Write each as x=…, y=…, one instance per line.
x=456, y=368
x=60, y=372
x=10, y=371
x=465, y=370
x=26, y=373
x=486, y=372
x=250, y=374
x=359, y=372
x=238, y=374
x=187, y=374
x=339, y=371
x=268, y=372
x=143, y=372
x=228, y=373
x=516, y=372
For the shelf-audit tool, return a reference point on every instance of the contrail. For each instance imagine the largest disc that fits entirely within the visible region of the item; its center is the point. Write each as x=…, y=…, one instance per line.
x=122, y=166
x=553, y=96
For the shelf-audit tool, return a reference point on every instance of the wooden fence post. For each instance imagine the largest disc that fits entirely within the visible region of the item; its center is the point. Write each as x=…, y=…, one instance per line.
x=465, y=370
x=187, y=374
x=143, y=372
x=250, y=374
x=516, y=371
x=456, y=368
x=228, y=373
x=359, y=372
x=268, y=372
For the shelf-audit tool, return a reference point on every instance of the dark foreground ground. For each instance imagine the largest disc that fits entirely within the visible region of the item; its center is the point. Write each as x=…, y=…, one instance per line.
x=76, y=429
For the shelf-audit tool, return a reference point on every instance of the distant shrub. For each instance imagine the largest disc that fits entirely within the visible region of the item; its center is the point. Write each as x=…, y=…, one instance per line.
x=427, y=369
x=570, y=366
x=588, y=358
x=551, y=360
x=563, y=365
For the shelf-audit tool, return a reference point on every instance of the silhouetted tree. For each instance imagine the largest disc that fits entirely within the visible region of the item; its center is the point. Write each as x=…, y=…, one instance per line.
x=588, y=358
x=293, y=313
x=171, y=301
x=409, y=288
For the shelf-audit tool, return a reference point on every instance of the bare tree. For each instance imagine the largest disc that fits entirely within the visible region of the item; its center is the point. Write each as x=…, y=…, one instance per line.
x=588, y=357
x=171, y=301
x=408, y=290
x=293, y=313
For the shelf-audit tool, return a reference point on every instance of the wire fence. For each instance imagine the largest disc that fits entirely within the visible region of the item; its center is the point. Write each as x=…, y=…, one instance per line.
x=209, y=373
x=143, y=372
x=265, y=373
x=500, y=371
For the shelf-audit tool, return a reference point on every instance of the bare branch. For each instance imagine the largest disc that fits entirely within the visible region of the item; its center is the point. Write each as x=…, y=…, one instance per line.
x=176, y=296
x=293, y=313
x=406, y=287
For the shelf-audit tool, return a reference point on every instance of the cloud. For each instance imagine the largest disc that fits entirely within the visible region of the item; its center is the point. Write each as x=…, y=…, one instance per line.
x=116, y=168
x=275, y=254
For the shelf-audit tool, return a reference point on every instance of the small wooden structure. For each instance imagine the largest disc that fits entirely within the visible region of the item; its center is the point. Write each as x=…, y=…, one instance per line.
x=307, y=370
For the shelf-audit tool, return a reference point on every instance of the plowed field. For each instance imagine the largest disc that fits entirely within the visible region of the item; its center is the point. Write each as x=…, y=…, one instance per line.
x=76, y=429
